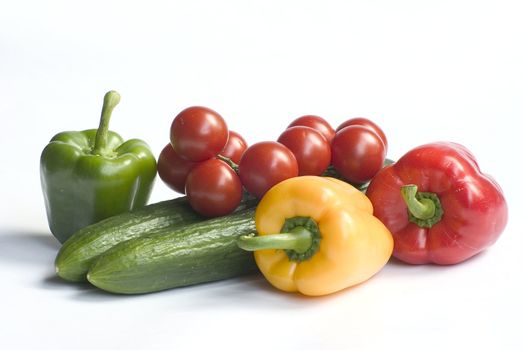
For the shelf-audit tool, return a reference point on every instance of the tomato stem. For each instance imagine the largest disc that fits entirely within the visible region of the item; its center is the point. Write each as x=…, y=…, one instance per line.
x=230, y=162
x=331, y=172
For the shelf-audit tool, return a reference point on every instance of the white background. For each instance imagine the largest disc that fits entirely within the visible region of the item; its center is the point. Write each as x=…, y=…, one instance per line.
x=423, y=70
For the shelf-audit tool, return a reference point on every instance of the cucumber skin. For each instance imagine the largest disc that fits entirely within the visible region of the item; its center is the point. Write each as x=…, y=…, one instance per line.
x=197, y=253
x=80, y=250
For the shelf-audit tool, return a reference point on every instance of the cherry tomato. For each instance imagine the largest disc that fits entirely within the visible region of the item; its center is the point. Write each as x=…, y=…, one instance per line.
x=358, y=153
x=264, y=165
x=213, y=188
x=316, y=123
x=365, y=122
x=172, y=169
x=310, y=148
x=235, y=147
x=198, y=133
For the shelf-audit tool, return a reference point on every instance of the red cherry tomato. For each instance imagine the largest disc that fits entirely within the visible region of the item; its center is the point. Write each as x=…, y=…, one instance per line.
x=316, y=123
x=365, y=122
x=213, y=188
x=235, y=147
x=172, y=169
x=310, y=148
x=264, y=165
x=198, y=133
x=358, y=153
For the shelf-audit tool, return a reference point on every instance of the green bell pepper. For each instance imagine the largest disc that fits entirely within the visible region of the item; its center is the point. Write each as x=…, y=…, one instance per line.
x=90, y=175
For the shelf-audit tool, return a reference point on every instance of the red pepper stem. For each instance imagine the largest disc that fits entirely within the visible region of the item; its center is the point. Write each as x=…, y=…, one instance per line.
x=298, y=240
x=111, y=100
x=424, y=208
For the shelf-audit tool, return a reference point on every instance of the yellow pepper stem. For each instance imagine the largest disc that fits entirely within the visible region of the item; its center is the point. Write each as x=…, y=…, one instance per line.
x=299, y=239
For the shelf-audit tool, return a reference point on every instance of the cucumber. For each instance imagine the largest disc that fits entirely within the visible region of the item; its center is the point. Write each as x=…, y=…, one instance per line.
x=196, y=253
x=79, y=251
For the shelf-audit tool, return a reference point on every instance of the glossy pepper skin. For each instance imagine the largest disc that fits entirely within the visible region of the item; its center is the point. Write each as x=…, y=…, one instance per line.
x=87, y=176
x=464, y=211
x=317, y=236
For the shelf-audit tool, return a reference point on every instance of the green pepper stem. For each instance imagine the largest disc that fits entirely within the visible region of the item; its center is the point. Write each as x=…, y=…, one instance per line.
x=111, y=100
x=422, y=208
x=299, y=239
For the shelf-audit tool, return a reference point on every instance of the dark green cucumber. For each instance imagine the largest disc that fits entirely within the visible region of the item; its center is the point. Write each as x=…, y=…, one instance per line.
x=79, y=251
x=196, y=253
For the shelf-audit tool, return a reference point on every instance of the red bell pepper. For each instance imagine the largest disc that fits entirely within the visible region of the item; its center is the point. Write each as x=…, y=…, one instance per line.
x=438, y=205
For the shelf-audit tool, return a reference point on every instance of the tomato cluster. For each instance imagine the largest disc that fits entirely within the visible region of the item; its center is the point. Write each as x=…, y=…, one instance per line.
x=356, y=149
x=189, y=163
x=212, y=164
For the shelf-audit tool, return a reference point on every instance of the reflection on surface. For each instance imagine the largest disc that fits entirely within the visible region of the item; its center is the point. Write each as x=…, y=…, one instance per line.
x=21, y=247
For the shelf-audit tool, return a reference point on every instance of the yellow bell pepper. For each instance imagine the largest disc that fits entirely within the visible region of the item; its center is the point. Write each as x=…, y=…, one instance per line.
x=317, y=235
